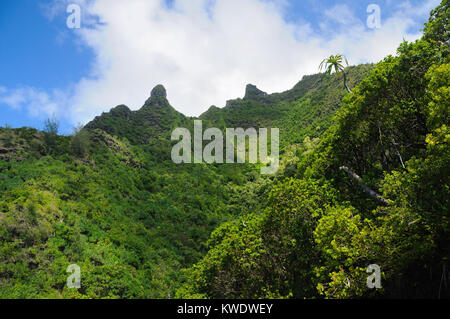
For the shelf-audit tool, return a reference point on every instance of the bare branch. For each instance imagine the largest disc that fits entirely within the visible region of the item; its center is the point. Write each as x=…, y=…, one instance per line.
x=366, y=188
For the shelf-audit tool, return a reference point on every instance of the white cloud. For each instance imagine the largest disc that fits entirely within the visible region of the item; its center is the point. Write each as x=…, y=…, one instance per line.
x=342, y=14
x=361, y=44
x=205, y=51
x=37, y=103
x=203, y=56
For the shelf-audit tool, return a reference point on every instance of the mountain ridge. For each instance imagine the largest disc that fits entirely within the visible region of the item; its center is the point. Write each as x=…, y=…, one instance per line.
x=157, y=117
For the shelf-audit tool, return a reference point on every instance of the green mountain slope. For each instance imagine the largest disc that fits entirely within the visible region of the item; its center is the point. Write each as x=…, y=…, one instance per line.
x=306, y=109
x=324, y=230
x=110, y=199
x=120, y=208
x=155, y=119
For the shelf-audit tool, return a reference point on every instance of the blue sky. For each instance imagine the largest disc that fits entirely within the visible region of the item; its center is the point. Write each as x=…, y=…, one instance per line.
x=203, y=51
x=32, y=54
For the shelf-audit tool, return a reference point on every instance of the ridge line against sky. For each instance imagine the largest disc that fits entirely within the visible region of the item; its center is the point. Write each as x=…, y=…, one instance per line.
x=203, y=51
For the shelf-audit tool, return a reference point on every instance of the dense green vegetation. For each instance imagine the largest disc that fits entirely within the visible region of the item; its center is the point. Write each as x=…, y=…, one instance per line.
x=319, y=230
x=128, y=221
x=109, y=198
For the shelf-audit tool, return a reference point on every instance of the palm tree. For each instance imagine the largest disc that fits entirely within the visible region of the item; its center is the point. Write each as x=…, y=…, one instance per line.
x=335, y=62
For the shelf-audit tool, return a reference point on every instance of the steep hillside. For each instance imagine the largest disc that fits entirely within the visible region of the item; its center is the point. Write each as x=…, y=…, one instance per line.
x=110, y=199
x=363, y=180
x=373, y=193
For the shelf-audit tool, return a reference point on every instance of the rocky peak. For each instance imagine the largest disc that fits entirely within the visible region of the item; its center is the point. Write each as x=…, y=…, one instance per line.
x=158, y=97
x=253, y=93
